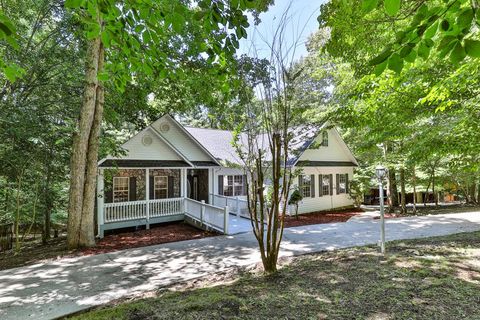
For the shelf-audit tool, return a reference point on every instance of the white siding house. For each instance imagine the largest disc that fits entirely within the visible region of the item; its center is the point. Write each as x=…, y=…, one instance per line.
x=172, y=172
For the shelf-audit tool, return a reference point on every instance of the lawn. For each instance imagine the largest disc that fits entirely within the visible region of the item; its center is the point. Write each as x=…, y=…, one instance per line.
x=435, y=278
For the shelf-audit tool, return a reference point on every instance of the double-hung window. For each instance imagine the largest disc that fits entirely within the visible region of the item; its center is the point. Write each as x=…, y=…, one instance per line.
x=305, y=186
x=234, y=185
x=342, y=183
x=325, y=184
x=120, y=189
x=160, y=187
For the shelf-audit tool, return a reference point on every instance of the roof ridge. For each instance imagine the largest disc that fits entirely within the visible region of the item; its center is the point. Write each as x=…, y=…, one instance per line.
x=213, y=129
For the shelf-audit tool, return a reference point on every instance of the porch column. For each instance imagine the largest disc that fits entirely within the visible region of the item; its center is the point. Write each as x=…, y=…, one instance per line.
x=100, y=202
x=147, y=196
x=183, y=183
x=210, y=186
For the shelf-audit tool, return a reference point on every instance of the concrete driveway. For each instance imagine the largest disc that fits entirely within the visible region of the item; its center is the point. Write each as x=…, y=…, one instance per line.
x=49, y=290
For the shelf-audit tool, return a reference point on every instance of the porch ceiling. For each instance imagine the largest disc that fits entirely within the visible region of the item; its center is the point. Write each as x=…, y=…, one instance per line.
x=130, y=163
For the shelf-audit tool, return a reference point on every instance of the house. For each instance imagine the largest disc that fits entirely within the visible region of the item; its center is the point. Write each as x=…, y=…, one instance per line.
x=172, y=172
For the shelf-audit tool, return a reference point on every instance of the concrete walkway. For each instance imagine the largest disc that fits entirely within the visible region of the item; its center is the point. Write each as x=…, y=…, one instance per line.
x=53, y=289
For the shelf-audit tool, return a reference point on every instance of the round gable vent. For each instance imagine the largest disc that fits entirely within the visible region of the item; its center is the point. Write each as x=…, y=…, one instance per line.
x=147, y=140
x=164, y=127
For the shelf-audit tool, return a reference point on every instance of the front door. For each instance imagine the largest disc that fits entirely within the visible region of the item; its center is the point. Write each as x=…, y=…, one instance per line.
x=197, y=183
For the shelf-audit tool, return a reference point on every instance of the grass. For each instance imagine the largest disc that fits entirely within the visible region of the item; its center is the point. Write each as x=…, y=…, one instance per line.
x=435, y=278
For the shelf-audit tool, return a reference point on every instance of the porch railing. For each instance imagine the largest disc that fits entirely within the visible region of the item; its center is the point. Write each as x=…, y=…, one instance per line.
x=124, y=211
x=133, y=210
x=207, y=214
x=166, y=207
x=237, y=205
x=212, y=216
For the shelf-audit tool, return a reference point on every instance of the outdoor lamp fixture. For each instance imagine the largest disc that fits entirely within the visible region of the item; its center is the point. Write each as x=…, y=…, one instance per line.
x=381, y=173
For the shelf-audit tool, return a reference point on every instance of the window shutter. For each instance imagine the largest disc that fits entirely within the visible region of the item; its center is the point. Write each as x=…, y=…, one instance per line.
x=300, y=178
x=220, y=185
x=132, y=189
x=320, y=185
x=347, y=185
x=170, y=183
x=244, y=188
x=151, y=187
x=337, y=177
x=330, y=180
x=108, y=190
x=312, y=186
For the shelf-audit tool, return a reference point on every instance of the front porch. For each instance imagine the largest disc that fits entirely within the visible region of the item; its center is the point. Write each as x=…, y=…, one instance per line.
x=129, y=197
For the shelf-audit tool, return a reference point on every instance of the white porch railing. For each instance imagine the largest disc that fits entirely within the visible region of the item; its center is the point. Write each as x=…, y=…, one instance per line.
x=166, y=207
x=207, y=214
x=236, y=205
x=133, y=210
x=124, y=211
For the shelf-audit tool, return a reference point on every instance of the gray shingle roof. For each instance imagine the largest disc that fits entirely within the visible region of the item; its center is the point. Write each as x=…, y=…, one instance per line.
x=219, y=142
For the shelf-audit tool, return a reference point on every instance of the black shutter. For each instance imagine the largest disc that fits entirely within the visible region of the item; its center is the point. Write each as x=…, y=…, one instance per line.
x=244, y=190
x=330, y=177
x=171, y=182
x=312, y=185
x=220, y=185
x=300, y=189
x=320, y=185
x=108, y=190
x=337, y=177
x=347, y=185
x=151, y=188
x=132, y=189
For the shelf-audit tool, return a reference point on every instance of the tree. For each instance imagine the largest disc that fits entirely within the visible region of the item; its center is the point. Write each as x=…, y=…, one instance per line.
x=37, y=112
x=295, y=199
x=123, y=40
x=412, y=30
x=265, y=136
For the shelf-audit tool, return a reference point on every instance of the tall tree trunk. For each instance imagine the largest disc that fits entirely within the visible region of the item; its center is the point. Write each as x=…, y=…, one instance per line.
x=87, y=235
x=392, y=190
x=48, y=202
x=402, y=188
x=414, y=182
x=80, y=171
x=435, y=198
x=17, y=212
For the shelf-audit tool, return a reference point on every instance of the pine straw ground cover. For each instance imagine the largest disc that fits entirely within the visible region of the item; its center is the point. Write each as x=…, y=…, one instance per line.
x=435, y=278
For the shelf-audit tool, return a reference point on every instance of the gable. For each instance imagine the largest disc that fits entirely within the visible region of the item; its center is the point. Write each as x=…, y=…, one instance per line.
x=180, y=139
x=148, y=146
x=335, y=151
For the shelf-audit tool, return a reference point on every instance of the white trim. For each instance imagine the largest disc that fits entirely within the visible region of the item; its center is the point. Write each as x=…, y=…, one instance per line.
x=192, y=137
x=170, y=145
x=150, y=127
x=339, y=138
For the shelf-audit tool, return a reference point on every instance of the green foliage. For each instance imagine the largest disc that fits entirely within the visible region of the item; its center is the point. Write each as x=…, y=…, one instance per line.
x=406, y=30
x=295, y=197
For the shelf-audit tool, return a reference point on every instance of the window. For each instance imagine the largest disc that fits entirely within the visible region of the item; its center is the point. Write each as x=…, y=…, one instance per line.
x=234, y=185
x=120, y=189
x=342, y=183
x=326, y=181
x=324, y=139
x=305, y=186
x=160, y=187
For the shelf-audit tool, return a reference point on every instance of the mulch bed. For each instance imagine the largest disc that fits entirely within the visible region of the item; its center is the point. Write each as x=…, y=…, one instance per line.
x=321, y=217
x=163, y=233
x=34, y=252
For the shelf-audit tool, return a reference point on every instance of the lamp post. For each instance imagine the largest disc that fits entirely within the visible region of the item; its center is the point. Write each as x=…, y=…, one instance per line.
x=380, y=173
